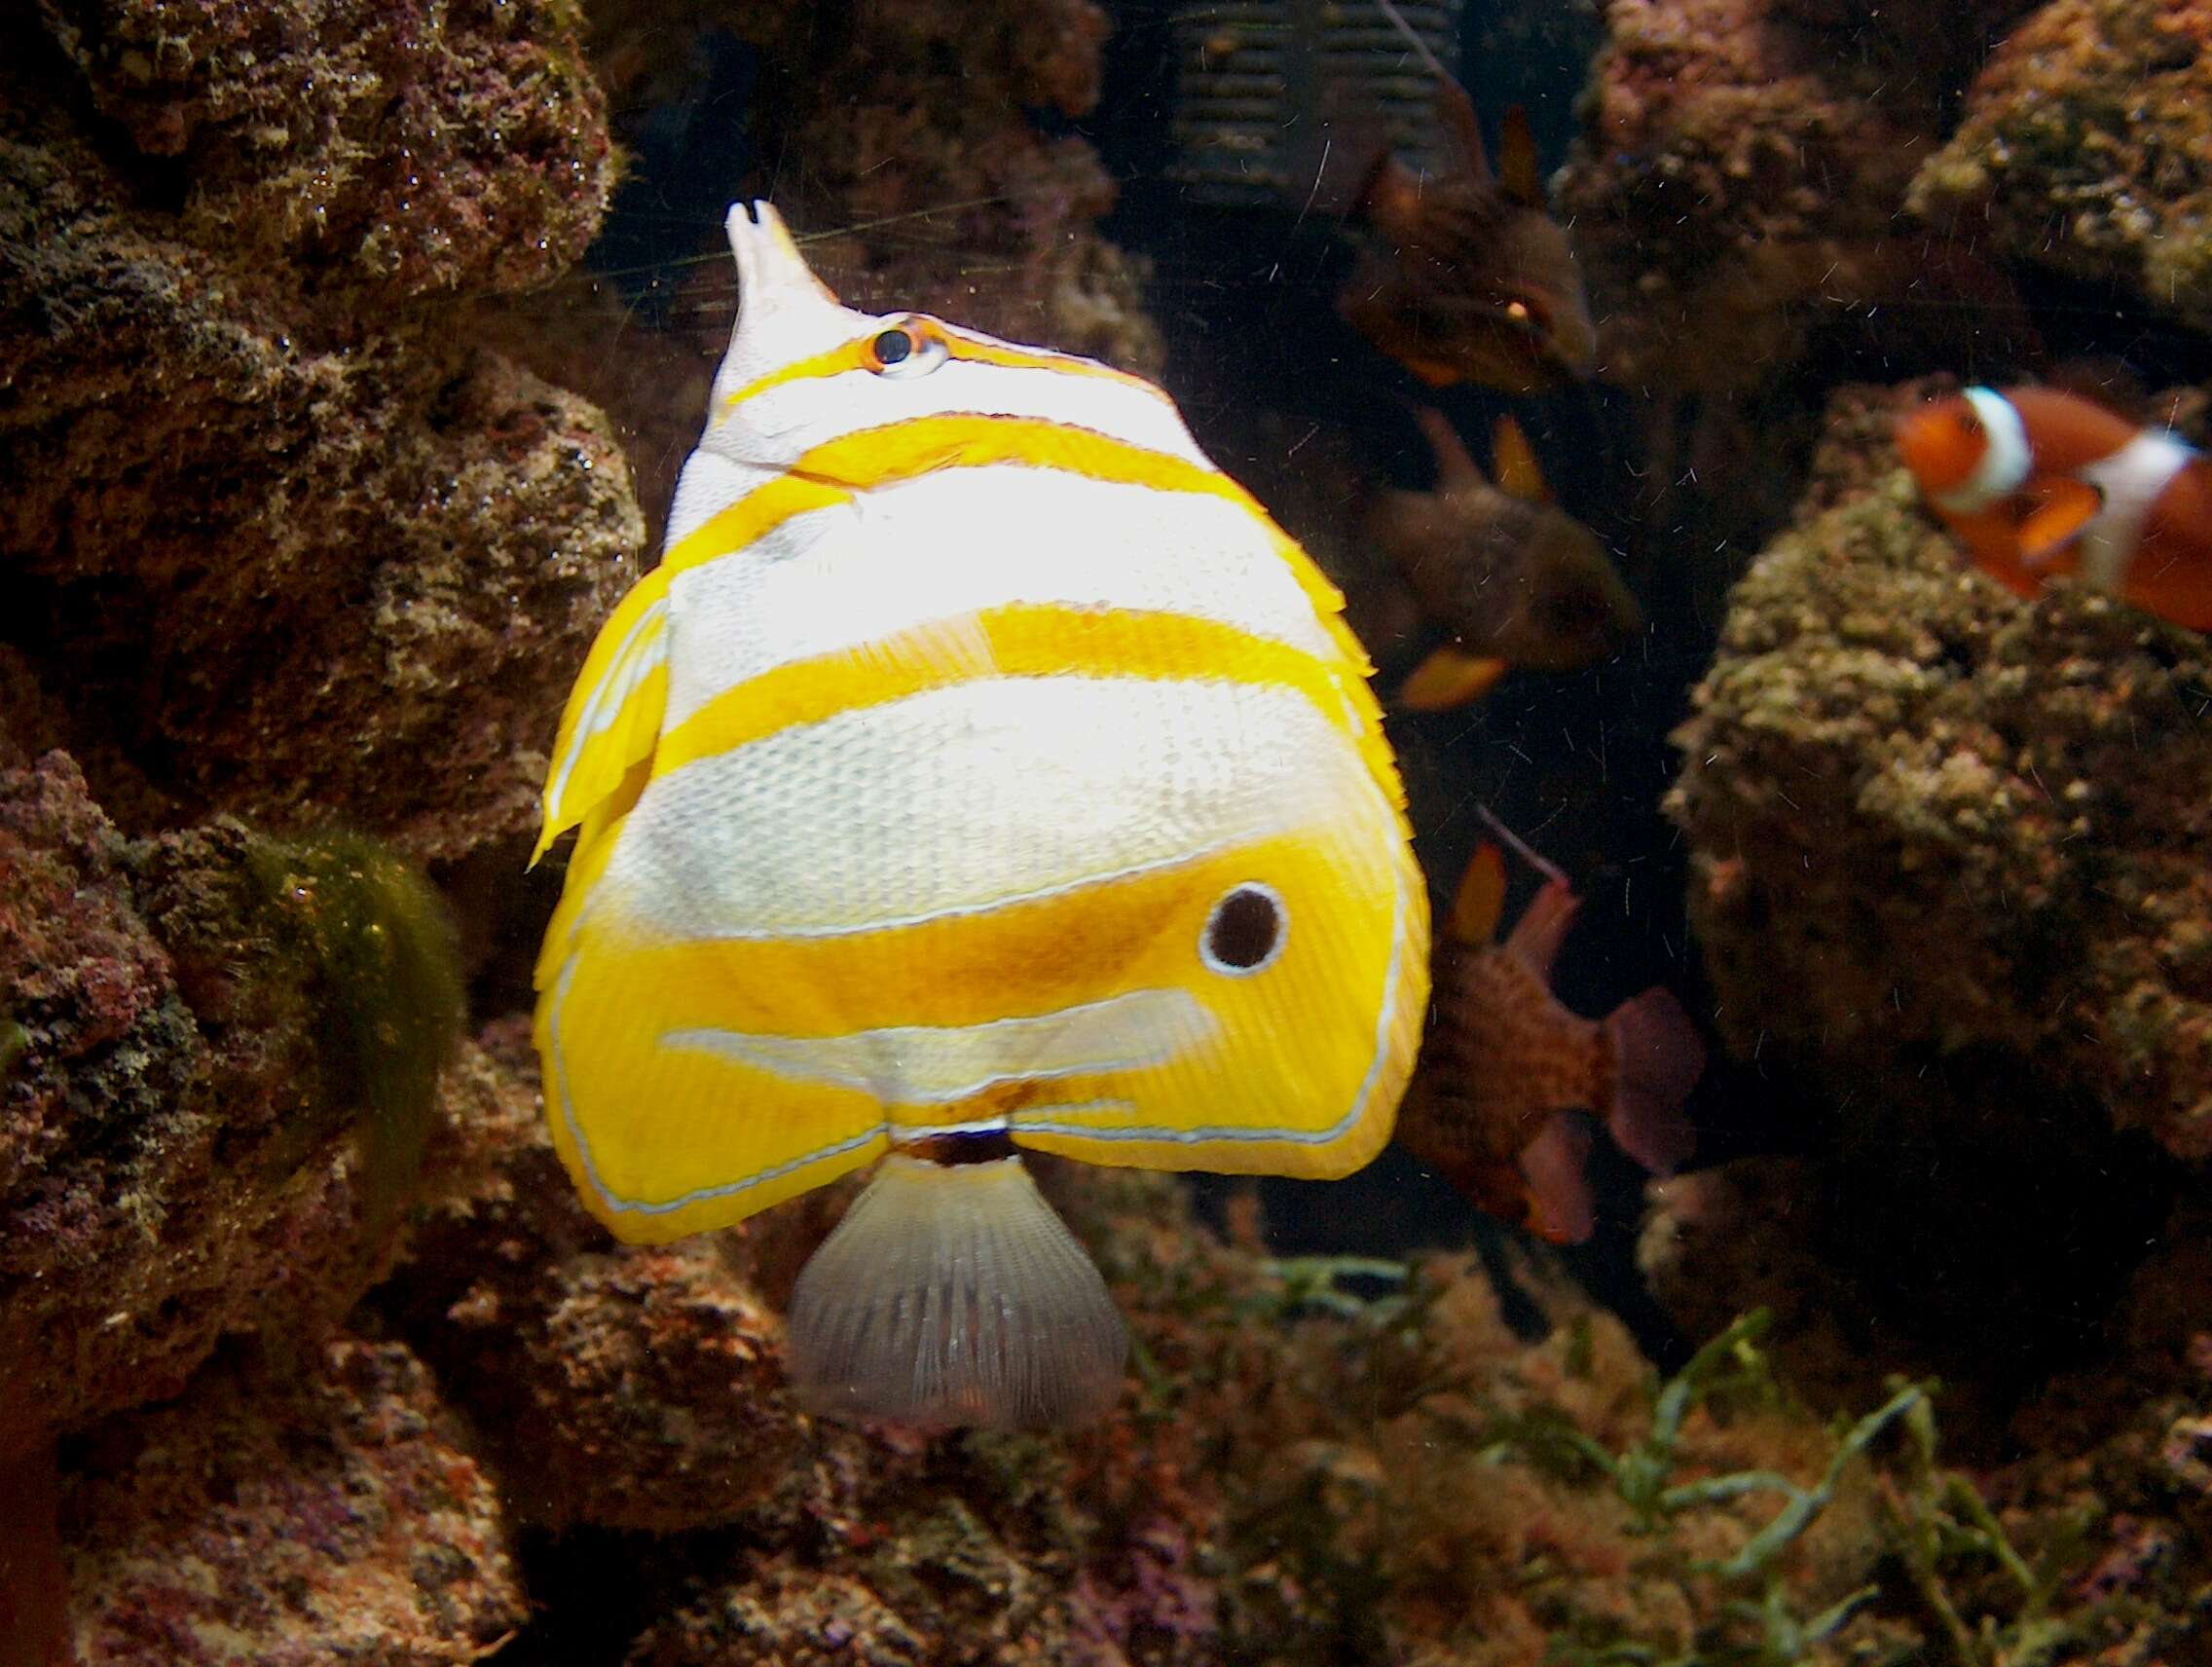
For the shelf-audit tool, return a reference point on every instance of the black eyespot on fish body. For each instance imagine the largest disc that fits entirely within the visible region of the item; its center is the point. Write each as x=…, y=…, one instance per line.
x=1245, y=932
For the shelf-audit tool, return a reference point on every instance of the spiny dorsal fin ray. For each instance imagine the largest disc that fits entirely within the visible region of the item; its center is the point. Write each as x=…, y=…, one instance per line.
x=1517, y=168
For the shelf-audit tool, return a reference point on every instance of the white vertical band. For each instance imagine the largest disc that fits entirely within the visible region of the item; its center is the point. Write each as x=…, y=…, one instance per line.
x=2005, y=459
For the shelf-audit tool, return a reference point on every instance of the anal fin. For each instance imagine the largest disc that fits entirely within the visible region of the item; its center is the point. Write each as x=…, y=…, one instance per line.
x=1449, y=677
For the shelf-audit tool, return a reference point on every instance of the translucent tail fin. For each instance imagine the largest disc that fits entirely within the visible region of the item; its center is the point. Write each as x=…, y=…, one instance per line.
x=951, y=1295
x=1658, y=1058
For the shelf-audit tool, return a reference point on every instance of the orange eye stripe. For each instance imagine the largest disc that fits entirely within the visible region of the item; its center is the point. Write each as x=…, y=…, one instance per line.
x=860, y=354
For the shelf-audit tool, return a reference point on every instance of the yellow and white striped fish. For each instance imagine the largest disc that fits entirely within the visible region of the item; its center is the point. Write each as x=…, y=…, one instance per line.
x=982, y=768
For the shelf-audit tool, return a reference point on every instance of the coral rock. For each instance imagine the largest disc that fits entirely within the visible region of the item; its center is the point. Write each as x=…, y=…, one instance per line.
x=289, y=1522
x=2086, y=146
x=627, y=1387
x=184, y=1142
x=285, y=562
x=1892, y=753
x=406, y=147
x=1741, y=172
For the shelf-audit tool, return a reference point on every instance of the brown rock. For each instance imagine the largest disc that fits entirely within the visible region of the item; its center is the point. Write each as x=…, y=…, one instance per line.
x=290, y=1521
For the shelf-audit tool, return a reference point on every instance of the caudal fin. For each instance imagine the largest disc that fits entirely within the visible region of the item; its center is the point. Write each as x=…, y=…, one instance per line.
x=953, y=1295
x=1658, y=1057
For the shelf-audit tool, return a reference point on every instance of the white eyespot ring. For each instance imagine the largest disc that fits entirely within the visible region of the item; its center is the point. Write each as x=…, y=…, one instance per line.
x=904, y=348
x=1245, y=932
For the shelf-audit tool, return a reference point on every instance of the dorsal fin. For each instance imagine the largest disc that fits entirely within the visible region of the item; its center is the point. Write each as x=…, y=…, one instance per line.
x=1456, y=467
x=1517, y=168
x=1458, y=111
x=1513, y=462
x=1480, y=902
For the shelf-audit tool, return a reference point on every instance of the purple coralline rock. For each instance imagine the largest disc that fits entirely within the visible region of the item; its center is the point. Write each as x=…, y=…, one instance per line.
x=406, y=147
x=187, y=1147
x=285, y=554
x=626, y=1386
x=289, y=1514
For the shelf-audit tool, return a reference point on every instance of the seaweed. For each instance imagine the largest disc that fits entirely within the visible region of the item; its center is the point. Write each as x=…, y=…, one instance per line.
x=389, y=1001
x=1933, y=1526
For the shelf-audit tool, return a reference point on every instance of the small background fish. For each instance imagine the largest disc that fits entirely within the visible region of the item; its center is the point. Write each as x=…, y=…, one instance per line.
x=1514, y=578
x=1507, y=1072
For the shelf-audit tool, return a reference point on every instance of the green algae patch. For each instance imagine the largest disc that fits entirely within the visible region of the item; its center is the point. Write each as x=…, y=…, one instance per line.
x=371, y=934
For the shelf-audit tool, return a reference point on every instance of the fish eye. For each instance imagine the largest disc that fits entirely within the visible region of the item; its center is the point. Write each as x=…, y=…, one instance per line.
x=906, y=348
x=1970, y=425
x=1245, y=932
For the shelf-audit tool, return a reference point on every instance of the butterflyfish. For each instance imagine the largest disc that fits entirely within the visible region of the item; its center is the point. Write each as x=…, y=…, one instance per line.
x=1514, y=578
x=1507, y=1075
x=980, y=772
x=2035, y=482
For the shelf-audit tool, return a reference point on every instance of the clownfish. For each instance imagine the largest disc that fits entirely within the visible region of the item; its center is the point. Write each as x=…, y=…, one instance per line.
x=981, y=772
x=2035, y=482
x=1507, y=1074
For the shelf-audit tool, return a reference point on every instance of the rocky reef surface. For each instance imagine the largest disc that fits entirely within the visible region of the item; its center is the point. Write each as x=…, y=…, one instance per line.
x=1737, y=184
x=2083, y=148
x=327, y=462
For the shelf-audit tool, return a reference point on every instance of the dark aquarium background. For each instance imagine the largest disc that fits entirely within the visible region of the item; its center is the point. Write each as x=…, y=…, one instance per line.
x=350, y=351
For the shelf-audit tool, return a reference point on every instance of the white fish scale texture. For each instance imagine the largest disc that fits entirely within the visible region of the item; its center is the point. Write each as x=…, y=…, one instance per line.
x=773, y=429
x=961, y=540
x=967, y=795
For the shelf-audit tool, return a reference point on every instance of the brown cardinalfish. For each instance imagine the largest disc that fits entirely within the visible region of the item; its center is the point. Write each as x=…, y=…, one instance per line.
x=1465, y=276
x=1516, y=579
x=1506, y=1072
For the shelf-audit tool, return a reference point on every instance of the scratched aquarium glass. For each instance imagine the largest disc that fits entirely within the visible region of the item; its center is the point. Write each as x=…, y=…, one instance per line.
x=1132, y=833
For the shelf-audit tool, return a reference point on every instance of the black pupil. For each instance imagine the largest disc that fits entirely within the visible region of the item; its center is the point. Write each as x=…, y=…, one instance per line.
x=1244, y=928
x=892, y=346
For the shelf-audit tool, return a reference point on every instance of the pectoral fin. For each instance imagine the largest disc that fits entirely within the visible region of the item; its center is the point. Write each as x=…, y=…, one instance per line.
x=2063, y=509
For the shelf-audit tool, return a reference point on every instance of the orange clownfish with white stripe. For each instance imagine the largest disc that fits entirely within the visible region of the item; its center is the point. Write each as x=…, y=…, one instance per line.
x=2036, y=482
x=981, y=772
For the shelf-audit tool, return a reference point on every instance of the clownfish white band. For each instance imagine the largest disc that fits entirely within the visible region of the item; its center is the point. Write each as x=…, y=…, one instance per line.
x=2006, y=457
x=2131, y=481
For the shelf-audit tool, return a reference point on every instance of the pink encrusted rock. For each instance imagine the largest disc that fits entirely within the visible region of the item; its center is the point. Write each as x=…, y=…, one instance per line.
x=404, y=146
x=275, y=554
x=185, y=1152
x=288, y=1515
x=635, y=1387
x=1741, y=173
